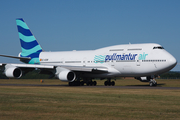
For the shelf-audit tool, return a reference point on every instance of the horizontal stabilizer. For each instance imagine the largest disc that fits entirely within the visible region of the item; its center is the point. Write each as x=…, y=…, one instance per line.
x=21, y=58
x=29, y=66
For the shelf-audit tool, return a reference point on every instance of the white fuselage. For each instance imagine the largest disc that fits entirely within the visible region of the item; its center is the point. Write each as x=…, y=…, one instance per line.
x=120, y=60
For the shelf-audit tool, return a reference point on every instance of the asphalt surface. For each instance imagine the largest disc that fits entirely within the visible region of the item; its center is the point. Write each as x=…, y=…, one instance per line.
x=99, y=86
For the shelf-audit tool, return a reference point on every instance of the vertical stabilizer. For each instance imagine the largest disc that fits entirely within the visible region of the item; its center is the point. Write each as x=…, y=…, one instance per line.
x=29, y=45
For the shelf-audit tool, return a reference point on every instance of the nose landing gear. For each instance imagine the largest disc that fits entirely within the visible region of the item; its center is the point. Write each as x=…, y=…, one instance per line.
x=152, y=82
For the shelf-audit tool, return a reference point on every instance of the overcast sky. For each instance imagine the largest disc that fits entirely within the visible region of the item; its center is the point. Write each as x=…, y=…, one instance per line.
x=63, y=25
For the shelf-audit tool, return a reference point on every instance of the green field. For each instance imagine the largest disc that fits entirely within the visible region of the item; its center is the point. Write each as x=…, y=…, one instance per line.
x=89, y=103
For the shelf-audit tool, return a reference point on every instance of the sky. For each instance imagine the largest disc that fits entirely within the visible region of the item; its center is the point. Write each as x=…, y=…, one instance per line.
x=65, y=25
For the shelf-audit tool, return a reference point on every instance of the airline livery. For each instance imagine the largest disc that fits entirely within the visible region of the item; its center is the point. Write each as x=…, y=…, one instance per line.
x=142, y=61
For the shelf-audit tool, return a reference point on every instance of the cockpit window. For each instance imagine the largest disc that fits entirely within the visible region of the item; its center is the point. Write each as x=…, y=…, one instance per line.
x=158, y=47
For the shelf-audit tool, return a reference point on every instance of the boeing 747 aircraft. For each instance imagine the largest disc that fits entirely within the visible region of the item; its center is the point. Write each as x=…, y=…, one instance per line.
x=142, y=61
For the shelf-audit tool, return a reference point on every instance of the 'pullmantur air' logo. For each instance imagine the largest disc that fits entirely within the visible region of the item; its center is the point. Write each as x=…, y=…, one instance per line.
x=115, y=56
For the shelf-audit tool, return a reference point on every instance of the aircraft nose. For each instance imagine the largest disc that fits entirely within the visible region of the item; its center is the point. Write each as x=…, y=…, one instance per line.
x=172, y=61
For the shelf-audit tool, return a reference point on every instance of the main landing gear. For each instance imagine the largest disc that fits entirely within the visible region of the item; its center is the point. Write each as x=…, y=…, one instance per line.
x=87, y=81
x=109, y=82
x=76, y=83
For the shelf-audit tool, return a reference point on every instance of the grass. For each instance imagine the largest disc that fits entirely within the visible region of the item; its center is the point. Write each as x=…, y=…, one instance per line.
x=119, y=82
x=76, y=103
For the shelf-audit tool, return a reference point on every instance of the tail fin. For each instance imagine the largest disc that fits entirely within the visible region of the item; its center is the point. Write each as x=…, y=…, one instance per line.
x=29, y=45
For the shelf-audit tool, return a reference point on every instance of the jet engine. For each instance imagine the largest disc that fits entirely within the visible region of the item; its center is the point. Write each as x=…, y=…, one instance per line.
x=13, y=72
x=66, y=76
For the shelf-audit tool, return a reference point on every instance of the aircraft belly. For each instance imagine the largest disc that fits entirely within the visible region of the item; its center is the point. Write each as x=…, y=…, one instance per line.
x=104, y=75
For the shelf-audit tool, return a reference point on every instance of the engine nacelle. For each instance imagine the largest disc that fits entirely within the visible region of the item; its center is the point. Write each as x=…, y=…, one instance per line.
x=13, y=72
x=66, y=76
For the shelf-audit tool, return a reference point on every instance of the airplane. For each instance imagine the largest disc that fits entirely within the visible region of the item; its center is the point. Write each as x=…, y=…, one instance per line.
x=144, y=62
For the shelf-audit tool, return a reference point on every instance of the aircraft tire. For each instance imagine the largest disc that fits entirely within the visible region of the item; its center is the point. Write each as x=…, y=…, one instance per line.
x=106, y=83
x=94, y=83
x=82, y=83
x=151, y=84
x=155, y=84
x=112, y=83
x=91, y=83
x=70, y=83
x=109, y=83
x=78, y=83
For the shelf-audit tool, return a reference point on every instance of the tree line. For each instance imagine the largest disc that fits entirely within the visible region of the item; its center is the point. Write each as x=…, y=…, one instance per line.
x=171, y=75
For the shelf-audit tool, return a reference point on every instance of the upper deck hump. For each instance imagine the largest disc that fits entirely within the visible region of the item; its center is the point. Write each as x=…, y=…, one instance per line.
x=129, y=46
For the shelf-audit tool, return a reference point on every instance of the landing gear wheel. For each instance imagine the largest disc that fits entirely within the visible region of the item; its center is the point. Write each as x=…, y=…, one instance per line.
x=94, y=83
x=82, y=83
x=106, y=83
x=70, y=84
x=109, y=83
x=152, y=83
x=155, y=84
x=112, y=83
x=91, y=83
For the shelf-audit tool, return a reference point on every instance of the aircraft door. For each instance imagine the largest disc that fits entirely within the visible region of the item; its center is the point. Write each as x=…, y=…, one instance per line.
x=84, y=62
x=111, y=63
x=138, y=63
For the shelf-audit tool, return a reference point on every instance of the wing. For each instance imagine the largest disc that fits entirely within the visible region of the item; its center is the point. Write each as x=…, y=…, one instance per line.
x=64, y=73
x=17, y=70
